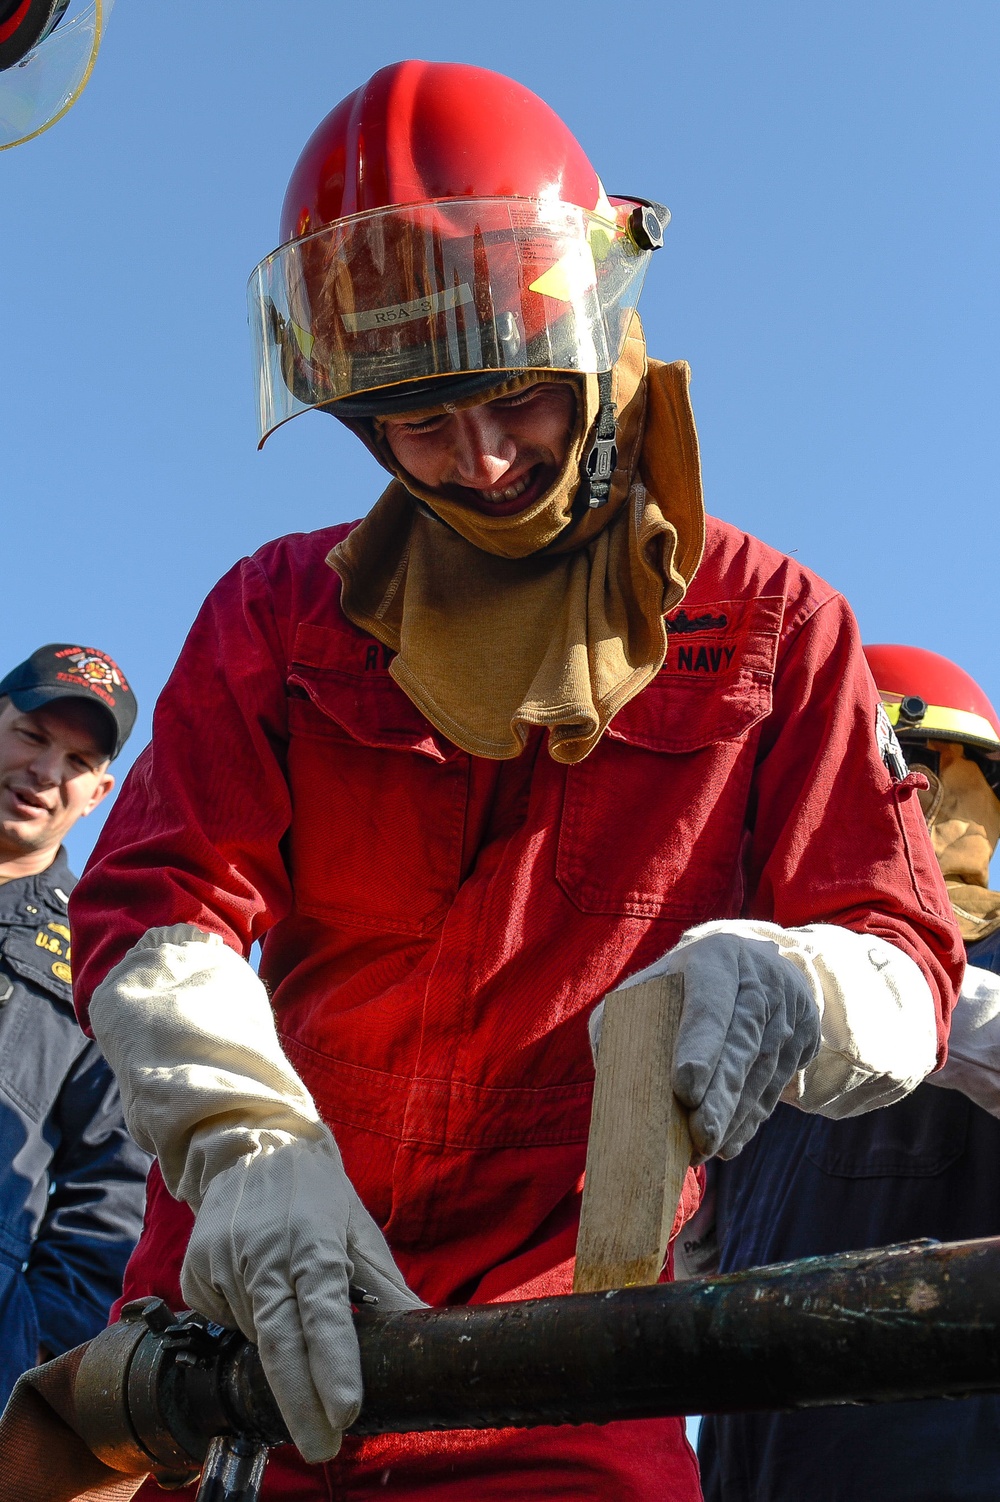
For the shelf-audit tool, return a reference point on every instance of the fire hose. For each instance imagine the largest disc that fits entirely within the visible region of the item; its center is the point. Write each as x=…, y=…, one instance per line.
x=176, y=1395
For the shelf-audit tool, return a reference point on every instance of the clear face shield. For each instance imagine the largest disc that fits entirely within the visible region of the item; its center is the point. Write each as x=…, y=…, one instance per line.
x=39, y=85
x=442, y=289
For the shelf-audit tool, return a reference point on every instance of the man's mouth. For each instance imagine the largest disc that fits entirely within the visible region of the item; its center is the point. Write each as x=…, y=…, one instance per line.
x=27, y=802
x=516, y=496
x=511, y=492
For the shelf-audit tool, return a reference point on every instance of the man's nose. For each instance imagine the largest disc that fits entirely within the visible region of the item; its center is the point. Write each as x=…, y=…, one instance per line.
x=482, y=452
x=46, y=766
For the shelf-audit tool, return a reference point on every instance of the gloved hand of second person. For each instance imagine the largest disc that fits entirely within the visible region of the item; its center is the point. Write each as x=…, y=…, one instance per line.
x=749, y=1023
x=277, y=1241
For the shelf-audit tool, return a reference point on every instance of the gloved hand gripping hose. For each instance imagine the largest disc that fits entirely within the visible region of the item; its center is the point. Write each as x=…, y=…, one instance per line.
x=279, y=1229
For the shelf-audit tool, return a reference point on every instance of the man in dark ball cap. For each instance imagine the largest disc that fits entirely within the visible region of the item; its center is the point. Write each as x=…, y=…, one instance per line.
x=72, y=1181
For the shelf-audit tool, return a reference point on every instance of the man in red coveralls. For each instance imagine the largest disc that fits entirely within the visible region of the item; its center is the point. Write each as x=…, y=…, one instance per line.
x=526, y=730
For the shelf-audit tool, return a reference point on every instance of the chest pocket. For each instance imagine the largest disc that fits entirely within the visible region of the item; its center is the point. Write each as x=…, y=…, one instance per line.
x=653, y=819
x=378, y=795
x=39, y=1034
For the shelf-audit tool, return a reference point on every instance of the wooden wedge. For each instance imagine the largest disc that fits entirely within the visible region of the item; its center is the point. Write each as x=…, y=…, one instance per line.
x=639, y=1147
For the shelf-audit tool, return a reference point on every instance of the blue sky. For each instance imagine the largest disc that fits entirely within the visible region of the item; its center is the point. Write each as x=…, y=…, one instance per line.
x=830, y=274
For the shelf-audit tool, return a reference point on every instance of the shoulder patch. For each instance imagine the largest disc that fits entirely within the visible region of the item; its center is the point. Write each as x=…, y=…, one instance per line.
x=889, y=748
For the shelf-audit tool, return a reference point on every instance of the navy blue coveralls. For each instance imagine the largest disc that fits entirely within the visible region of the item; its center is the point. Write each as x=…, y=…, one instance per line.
x=72, y=1181
x=805, y=1186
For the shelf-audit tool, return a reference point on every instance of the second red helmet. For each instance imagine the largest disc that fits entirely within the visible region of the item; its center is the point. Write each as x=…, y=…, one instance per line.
x=928, y=697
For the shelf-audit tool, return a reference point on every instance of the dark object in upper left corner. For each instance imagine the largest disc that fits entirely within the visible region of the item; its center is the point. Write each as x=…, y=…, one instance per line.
x=24, y=24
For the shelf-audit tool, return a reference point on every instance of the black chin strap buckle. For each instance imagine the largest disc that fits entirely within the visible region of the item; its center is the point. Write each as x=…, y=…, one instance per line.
x=602, y=460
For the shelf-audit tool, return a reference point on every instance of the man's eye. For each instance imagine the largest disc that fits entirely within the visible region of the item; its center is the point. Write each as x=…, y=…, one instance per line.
x=426, y=426
x=519, y=398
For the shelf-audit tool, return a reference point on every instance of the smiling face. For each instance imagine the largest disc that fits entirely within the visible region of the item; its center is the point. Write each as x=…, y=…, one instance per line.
x=498, y=456
x=53, y=771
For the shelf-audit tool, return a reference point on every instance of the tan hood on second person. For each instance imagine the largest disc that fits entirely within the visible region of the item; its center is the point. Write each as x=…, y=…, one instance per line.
x=498, y=625
x=963, y=815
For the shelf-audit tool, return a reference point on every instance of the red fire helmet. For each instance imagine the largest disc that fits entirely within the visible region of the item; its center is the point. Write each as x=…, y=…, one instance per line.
x=928, y=697
x=417, y=132
x=442, y=221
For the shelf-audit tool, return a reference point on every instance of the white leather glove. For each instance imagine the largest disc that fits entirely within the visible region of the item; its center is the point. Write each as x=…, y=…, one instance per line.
x=279, y=1230
x=877, y=1035
x=973, y=1062
x=749, y=1023
x=279, y=1238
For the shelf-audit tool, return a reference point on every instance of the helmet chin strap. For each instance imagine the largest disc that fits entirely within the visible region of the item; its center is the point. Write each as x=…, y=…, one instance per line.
x=599, y=465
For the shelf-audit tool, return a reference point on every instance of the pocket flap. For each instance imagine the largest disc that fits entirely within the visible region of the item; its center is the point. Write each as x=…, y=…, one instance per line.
x=344, y=674
x=716, y=681
x=43, y=957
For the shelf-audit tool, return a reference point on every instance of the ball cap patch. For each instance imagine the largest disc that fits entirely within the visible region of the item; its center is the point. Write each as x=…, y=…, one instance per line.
x=61, y=670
